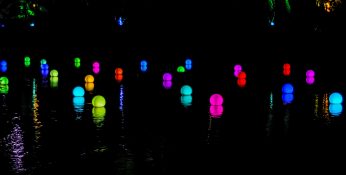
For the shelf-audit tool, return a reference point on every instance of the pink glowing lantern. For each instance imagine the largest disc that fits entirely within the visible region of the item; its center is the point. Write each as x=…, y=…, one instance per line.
x=216, y=111
x=237, y=68
x=310, y=73
x=96, y=64
x=167, y=77
x=167, y=84
x=310, y=80
x=96, y=70
x=216, y=99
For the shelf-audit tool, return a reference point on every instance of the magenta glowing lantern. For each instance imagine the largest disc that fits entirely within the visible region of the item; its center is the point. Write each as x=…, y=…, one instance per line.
x=310, y=80
x=167, y=77
x=216, y=99
x=216, y=111
x=310, y=73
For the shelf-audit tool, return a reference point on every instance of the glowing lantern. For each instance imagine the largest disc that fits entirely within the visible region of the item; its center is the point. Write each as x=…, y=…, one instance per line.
x=3, y=68
x=119, y=71
x=216, y=111
x=188, y=67
x=77, y=65
x=144, y=63
x=119, y=77
x=44, y=72
x=96, y=70
x=98, y=114
x=287, y=88
x=27, y=61
x=89, y=87
x=310, y=73
x=167, y=76
x=43, y=61
x=4, y=89
x=335, y=98
x=287, y=72
x=310, y=80
x=216, y=99
x=241, y=82
x=44, y=66
x=77, y=60
x=188, y=61
x=77, y=101
x=181, y=69
x=98, y=101
x=144, y=68
x=287, y=66
x=3, y=63
x=78, y=91
x=89, y=79
x=238, y=68
x=186, y=100
x=54, y=73
x=242, y=75
x=186, y=90
x=4, y=81
x=54, y=82
x=167, y=84
x=335, y=109
x=96, y=64
x=287, y=98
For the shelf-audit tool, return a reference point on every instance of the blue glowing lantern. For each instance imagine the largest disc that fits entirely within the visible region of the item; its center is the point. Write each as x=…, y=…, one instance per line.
x=287, y=88
x=144, y=63
x=3, y=69
x=44, y=66
x=186, y=90
x=144, y=68
x=335, y=98
x=287, y=98
x=335, y=109
x=3, y=63
x=78, y=91
x=188, y=61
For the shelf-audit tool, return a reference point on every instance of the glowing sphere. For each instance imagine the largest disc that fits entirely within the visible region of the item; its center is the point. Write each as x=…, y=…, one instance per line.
x=119, y=77
x=186, y=100
x=3, y=68
x=241, y=82
x=216, y=99
x=44, y=72
x=242, y=75
x=216, y=111
x=77, y=60
x=89, y=79
x=26, y=59
x=27, y=63
x=4, y=89
x=335, y=109
x=272, y=23
x=144, y=68
x=98, y=101
x=4, y=81
x=96, y=70
x=188, y=67
x=181, y=69
x=287, y=66
x=287, y=98
x=89, y=87
x=335, y=97
x=167, y=76
x=96, y=64
x=77, y=65
x=167, y=84
x=78, y=100
x=286, y=72
x=144, y=63
x=54, y=73
x=188, y=61
x=310, y=80
x=43, y=61
x=54, y=82
x=44, y=66
x=287, y=88
x=3, y=63
x=98, y=114
x=238, y=68
x=186, y=90
x=78, y=91
x=118, y=71
x=310, y=73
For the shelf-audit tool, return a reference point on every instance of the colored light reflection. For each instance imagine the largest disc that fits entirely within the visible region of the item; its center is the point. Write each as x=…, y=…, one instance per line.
x=335, y=97
x=287, y=88
x=3, y=69
x=287, y=72
x=167, y=77
x=78, y=91
x=242, y=75
x=167, y=84
x=96, y=70
x=186, y=100
x=77, y=60
x=119, y=77
x=216, y=99
x=77, y=65
x=119, y=71
x=310, y=73
x=27, y=63
x=4, y=89
x=216, y=111
x=186, y=90
x=238, y=68
x=287, y=98
x=89, y=79
x=188, y=67
x=287, y=66
x=98, y=101
x=241, y=82
x=78, y=104
x=335, y=110
x=44, y=66
x=98, y=114
x=181, y=69
x=188, y=61
x=4, y=81
x=78, y=100
x=144, y=63
x=44, y=73
x=54, y=82
x=43, y=61
x=310, y=80
x=27, y=59
x=144, y=68
x=89, y=87
x=3, y=63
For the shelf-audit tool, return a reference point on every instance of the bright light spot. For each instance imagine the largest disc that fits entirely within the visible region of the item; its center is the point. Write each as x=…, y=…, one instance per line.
x=188, y=61
x=238, y=68
x=310, y=73
x=241, y=82
x=44, y=66
x=3, y=68
x=186, y=90
x=3, y=63
x=78, y=100
x=77, y=60
x=32, y=24
x=287, y=72
x=99, y=114
x=78, y=91
x=335, y=109
x=287, y=66
x=144, y=68
x=43, y=61
x=54, y=82
x=89, y=79
x=287, y=88
x=167, y=77
x=287, y=98
x=167, y=84
x=310, y=80
x=4, y=89
x=188, y=67
x=89, y=87
x=242, y=75
x=77, y=65
x=181, y=69
x=186, y=100
x=119, y=71
x=44, y=72
x=216, y=111
x=216, y=99
x=119, y=77
x=96, y=70
x=335, y=97
x=98, y=101
x=96, y=64
x=54, y=73
x=272, y=23
x=144, y=63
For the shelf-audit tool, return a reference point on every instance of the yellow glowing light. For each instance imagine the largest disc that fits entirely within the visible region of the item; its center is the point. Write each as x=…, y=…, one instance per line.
x=89, y=79
x=89, y=87
x=329, y=5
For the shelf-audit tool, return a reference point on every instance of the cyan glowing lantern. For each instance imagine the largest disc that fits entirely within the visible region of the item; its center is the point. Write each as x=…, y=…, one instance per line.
x=216, y=99
x=335, y=109
x=78, y=91
x=77, y=60
x=89, y=87
x=144, y=68
x=186, y=100
x=188, y=66
x=167, y=77
x=216, y=111
x=77, y=65
x=310, y=80
x=188, y=61
x=78, y=101
x=167, y=84
x=335, y=98
x=54, y=73
x=287, y=88
x=44, y=66
x=118, y=71
x=238, y=68
x=242, y=75
x=180, y=69
x=287, y=66
x=43, y=61
x=3, y=63
x=98, y=101
x=241, y=82
x=3, y=68
x=96, y=70
x=144, y=63
x=98, y=114
x=286, y=72
x=186, y=90
x=89, y=79
x=4, y=89
x=54, y=82
x=310, y=73
x=4, y=81
x=96, y=64
x=287, y=98
x=119, y=77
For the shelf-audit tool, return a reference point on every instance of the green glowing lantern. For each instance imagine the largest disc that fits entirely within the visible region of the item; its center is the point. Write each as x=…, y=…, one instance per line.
x=54, y=73
x=4, y=89
x=54, y=82
x=181, y=69
x=98, y=101
x=77, y=60
x=98, y=114
x=77, y=64
x=3, y=80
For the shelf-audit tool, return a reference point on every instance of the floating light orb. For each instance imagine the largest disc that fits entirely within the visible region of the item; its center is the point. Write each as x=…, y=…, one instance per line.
x=216, y=99
x=89, y=87
x=242, y=75
x=241, y=82
x=3, y=63
x=188, y=66
x=287, y=66
x=44, y=66
x=186, y=90
x=144, y=68
x=77, y=60
x=181, y=69
x=186, y=100
x=43, y=61
x=77, y=65
x=77, y=101
x=44, y=72
x=96, y=64
x=287, y=98
x=119, y=71
x=27, y=63
x=144, y=63
x=287, y=88
x=4, y=81
x=310, y=73
x=286, y=72
x=119, y=77
x=167, y=84
x=238, y=68
x=78, y=91
x=335, y=109
x=98, y=114
x=54, y=82
x=216, y=111
x=54, y=73
x=4, y=89
x=167, y=77
x=96, y=70
x=98, y=101
x=89, y=79
x=3, y=69
x=188, y=61
x=310, y=80
x=27, y=59
x=335, y=98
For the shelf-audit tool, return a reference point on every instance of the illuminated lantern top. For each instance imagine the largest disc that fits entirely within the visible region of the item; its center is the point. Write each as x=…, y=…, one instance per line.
x=118, y=71
x=188, y=61
x=237, y=68
x=26, y=59
x=96, y=64
x=43, y=61
x=310, y=73
x=98, y=101
x=89, y=79
x=287, y=88
x=216, y=99
x=186, y=90
x=181, y=69
x=335, y=97
x=4, y=81
x=77, y=60
x=242, y=75
x=54, y=73
x=287, y=66
x=144, y=63
x=78, y=91
x=167, y=76
x=3, y=63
